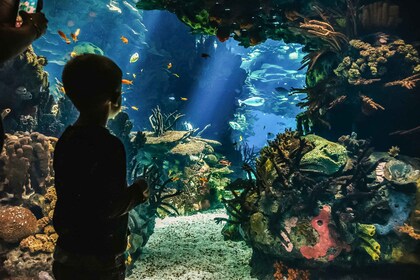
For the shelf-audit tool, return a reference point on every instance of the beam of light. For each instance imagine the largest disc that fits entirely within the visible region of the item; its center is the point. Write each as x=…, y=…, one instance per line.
x=209, y=97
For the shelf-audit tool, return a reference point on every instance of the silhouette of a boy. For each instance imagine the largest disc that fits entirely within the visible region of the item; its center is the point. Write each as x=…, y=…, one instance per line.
x=93, y=199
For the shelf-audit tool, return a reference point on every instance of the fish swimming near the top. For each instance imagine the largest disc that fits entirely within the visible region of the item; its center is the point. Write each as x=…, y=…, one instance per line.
x=124, y=39
x=253, y=101
x=75, y=35
x=64, y=37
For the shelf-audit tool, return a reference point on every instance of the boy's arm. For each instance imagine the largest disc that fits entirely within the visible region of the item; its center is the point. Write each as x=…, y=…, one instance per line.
x=119, y=199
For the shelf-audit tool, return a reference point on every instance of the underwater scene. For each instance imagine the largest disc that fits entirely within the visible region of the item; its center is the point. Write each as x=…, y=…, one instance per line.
x=279, y=139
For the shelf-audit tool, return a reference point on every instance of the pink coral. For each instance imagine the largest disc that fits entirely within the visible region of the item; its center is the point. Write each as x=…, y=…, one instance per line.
x=320, y=224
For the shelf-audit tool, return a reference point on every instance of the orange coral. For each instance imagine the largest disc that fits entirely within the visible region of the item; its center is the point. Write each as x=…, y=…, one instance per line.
x=369, y=106
x=408, y=83
x=290, y=273
x=410, y=231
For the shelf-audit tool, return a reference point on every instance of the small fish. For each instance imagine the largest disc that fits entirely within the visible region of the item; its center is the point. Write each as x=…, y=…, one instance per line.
x=64, y=37
x=264, y=127
x=205, y=55
x=134, y=76
x=169, y=66
x=253, y=101
x=241, y=138
x=270, y=136
x=225, y=162
x=73, y=54
x=62, y=90
x=235, y=125
x=184, y=98
x=134, y=57
x=204, y=179
x=75, y=35
x=171, y=98
x=175, y=179
x=124, y=39
x=134, y=108
x=176, y=75
x=282, y=90
x=126, y=82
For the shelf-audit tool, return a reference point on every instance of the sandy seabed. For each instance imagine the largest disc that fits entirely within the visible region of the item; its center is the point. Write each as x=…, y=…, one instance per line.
x=192, y=248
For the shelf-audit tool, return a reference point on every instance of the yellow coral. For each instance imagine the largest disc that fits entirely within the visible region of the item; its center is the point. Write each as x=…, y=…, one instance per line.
x=371, y=252
x=367, y=229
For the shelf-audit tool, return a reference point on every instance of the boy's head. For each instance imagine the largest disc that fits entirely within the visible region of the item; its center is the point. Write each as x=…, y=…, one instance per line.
x=91, y=81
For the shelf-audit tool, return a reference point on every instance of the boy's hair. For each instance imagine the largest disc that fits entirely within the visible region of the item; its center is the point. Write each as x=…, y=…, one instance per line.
x=90, y=80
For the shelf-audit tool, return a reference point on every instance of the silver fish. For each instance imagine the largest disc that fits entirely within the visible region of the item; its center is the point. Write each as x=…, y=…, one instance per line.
x=253, y=101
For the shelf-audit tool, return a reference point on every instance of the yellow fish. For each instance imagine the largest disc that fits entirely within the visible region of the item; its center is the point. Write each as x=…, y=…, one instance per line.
x=184, y=98
x=124, y=39
x=75, y=35
x=240, y=138
x=134, y=108
x=134, y=57
x=134, y=75
x=176, y=75
x=169, y=65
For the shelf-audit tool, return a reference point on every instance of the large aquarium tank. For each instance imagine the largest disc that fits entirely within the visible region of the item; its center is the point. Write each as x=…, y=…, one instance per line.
x=280, y=139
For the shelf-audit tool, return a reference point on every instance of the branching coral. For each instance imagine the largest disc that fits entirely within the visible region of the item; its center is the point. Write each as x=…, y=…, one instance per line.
x=162, y=122
x=326, y=32
x=408, y=83
x=410, y=231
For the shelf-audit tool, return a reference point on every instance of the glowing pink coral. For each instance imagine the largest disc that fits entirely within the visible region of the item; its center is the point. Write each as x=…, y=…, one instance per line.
x=321, y=249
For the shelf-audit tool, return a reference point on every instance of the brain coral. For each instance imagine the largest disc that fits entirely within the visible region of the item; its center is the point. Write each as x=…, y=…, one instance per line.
x=16, y=223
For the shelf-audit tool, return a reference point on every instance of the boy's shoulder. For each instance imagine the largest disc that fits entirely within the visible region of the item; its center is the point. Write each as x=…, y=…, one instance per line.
x=90, y=134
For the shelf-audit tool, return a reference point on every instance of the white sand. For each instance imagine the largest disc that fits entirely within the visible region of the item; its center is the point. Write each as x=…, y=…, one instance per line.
x=190, y=248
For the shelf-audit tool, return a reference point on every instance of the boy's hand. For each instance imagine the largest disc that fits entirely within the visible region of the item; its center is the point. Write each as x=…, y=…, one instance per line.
x=37, y=20
x=144, y=188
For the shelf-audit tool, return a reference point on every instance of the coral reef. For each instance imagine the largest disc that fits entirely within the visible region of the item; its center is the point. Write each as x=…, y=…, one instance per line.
x=26, y=167
x=320, y=219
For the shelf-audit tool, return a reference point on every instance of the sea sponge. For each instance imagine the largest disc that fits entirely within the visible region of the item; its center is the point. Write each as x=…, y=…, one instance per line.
x=17, y=223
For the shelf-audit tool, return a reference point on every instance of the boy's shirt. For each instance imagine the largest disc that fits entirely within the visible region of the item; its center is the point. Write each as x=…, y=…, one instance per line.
x=90, y=216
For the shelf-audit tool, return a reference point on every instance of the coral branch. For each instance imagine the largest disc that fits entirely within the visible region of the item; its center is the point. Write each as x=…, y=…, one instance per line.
x=408, y=83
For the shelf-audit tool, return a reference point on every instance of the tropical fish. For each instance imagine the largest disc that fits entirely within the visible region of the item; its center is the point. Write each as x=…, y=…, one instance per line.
x=171, y=98
x=282, y=90
x=176, y=75
x=235, y=125
x=73, y=54
x=124, y=39
x=126, y=82
x=241, y=138
x=75, y=35
x=253, y=101
x=134, y=108
x=64, y=37
x=225, y=162
x=169, y=66
x=184, y=98
x=134, y=57
x=134, y=76
x=270, y=136
x=205, y=55
x=175, y=179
